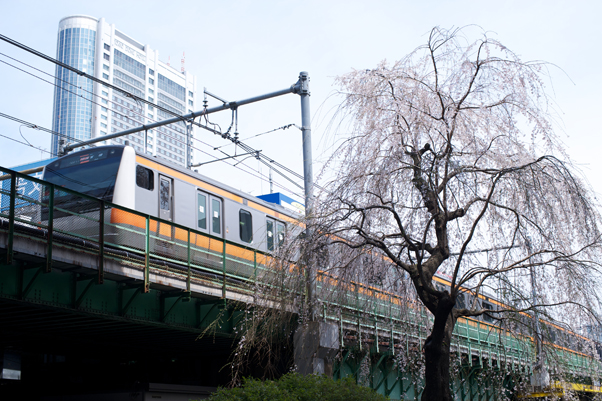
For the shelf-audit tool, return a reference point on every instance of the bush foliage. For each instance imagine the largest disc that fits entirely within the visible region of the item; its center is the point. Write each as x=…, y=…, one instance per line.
x=295, y=387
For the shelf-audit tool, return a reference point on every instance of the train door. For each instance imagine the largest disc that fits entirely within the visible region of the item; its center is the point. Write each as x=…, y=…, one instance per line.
x=165, y=198
x=269, y=234
x=275, y=232
x=216, y=216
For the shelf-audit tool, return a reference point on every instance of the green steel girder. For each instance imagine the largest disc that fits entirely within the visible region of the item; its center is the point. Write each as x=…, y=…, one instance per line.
x=178, y=295
x=378, y=367
x=214, y=306
x=128, y=304
x=80, y=298
x=25, y=291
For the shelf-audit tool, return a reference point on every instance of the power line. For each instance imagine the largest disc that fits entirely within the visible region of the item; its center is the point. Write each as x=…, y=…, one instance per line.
x=31, y=125
x=26, y=144
x=127, y=94
x=141, y=115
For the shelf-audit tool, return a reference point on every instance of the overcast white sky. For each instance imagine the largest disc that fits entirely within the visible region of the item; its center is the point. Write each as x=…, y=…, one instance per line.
x=239, y=49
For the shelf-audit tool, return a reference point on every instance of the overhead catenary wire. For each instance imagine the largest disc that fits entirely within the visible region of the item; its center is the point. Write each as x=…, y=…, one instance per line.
x=26, y=144
x=262, y=177
x=31, y=125
x=127, y=94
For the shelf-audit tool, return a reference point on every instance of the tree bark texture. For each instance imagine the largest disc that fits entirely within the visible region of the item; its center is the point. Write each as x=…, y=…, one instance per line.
x=437, y=353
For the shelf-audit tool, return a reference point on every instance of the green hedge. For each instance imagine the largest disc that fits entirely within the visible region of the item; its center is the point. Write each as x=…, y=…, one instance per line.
x=294, y=387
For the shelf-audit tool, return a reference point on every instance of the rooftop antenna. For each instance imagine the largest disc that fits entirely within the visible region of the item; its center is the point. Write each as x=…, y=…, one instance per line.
x=183, y=62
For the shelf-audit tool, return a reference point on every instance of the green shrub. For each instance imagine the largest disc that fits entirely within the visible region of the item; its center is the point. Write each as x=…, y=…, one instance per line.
x=295, y=387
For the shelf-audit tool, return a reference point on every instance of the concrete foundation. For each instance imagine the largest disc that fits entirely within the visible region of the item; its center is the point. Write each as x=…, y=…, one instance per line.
x=316, y=344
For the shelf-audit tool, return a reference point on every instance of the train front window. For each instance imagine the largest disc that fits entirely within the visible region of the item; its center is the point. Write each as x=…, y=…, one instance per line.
x=92, y=172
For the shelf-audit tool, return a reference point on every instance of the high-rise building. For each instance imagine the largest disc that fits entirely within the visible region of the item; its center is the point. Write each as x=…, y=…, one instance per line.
x=84, y=109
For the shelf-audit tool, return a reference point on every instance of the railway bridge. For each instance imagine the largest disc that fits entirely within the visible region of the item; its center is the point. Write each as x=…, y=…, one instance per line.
x=146, y=306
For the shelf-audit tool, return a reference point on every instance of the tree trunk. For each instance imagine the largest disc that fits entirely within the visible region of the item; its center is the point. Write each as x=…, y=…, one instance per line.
x=437, y=352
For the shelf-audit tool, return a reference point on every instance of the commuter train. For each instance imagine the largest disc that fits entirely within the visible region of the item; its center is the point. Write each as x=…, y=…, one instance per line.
x=170, y=192
x=159, y=188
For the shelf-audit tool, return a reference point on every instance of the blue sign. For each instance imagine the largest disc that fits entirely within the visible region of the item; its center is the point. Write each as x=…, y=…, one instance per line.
x=283, y=200
x=25, y=188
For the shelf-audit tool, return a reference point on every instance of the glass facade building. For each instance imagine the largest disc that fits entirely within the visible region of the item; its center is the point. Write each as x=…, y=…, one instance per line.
x=72, y=114
x=84, y=109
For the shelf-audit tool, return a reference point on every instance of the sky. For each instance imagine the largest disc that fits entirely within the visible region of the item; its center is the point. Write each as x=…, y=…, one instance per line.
x=240, y=49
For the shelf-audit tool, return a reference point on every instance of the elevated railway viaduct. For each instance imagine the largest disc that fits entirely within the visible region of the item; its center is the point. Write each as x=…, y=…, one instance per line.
x=82, y=314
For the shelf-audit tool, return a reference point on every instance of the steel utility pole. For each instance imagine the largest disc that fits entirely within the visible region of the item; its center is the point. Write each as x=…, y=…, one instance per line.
x=308, y=184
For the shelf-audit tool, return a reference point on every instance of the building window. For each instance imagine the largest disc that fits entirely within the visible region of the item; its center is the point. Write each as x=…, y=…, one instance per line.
x=106, y=56
x=172, y=88
x=151, y=91
x=190, y=103
x=151, y=71
x=190, y=94
x=104, y=109
x=105, y=76
x=102, y=133
x=103, y=125
x=102, y=117
x=104, y=101
x=150, y=99
x=107, y=47
x=150, y=115
x=105, y=67
x=145, y=178
x=129, y=64
x=105, y=93
x=151, y=81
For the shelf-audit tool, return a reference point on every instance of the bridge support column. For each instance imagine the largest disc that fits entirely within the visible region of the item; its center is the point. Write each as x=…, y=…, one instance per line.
x=316, y=344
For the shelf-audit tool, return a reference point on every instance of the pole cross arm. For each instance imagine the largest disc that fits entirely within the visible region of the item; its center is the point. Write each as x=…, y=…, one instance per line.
x=296, y=88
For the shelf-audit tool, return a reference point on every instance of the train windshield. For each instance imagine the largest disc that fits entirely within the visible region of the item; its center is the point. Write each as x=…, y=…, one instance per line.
x=92, y=172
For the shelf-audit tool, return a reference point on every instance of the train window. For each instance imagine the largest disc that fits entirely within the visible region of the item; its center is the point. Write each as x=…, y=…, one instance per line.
x=460, y=302
x=280, y=233
x=487, y=318
x=216, y=216
x=145, y=178
x=269, y=227
x=164, y=194
x=246, y=226
x=202, y=210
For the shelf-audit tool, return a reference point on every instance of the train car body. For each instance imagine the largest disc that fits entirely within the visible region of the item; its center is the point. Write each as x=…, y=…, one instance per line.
x=117, y=174
x=171, y=193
